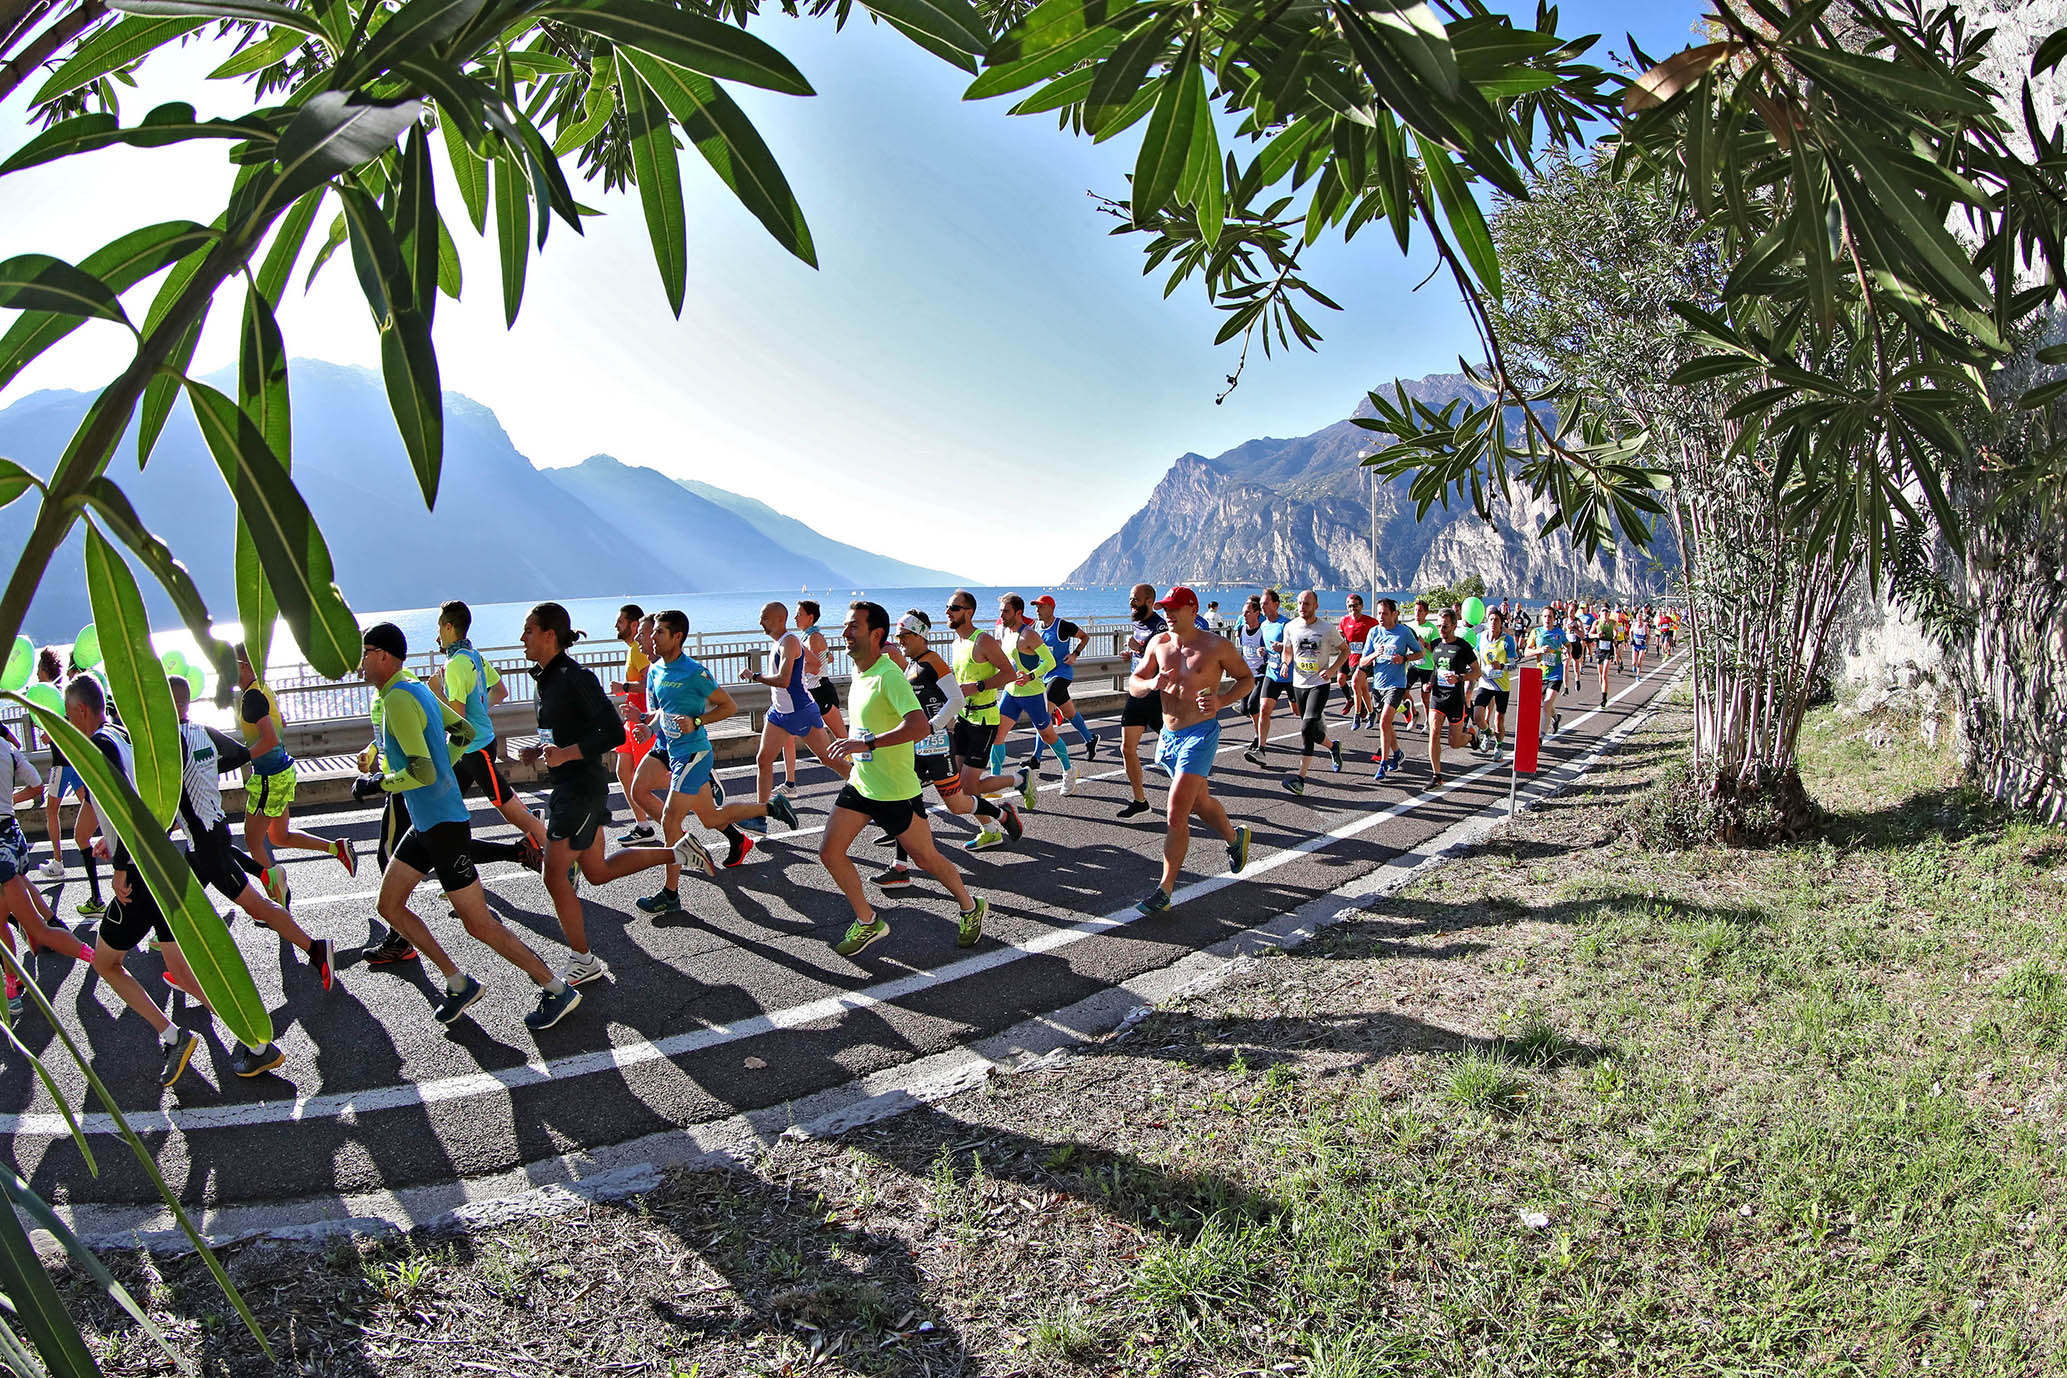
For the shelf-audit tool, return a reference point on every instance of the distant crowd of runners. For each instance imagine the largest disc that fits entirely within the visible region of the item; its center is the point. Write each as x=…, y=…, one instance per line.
x=914, y=717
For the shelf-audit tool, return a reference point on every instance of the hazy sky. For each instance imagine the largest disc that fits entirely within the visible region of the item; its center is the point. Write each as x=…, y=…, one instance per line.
x=977, y=367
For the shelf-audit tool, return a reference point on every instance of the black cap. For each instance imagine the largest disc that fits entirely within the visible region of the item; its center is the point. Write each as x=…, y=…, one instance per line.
x=386, y=636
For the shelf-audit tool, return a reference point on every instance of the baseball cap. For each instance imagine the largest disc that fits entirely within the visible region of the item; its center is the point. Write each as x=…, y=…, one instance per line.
x=1179, y=597
x=1044, y=601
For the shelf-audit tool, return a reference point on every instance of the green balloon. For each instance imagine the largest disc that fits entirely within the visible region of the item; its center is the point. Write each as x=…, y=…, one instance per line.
x=1469, y=636
x=45, y=696
x=1474, y=610
x=86, y=649
x=175, y=663
x=21, y=661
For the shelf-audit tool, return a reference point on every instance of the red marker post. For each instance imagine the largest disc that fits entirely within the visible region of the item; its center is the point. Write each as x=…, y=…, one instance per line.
x=1528, y=724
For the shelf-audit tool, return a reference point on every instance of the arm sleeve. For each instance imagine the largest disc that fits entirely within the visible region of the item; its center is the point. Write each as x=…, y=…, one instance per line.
x=230, y=753
x=406, y=724
x=459, y=733
x=602, y=731
x=951, y=709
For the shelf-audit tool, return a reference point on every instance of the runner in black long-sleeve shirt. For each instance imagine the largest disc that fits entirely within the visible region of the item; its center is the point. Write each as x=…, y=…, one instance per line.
x=579, y=727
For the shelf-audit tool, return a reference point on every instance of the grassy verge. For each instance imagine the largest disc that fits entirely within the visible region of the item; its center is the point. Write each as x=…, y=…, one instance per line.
x=1565, y=1106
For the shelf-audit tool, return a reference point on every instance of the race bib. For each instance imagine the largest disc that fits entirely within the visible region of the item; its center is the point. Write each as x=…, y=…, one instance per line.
x=1308, y=665
x=935, y=745
x=1446, y=678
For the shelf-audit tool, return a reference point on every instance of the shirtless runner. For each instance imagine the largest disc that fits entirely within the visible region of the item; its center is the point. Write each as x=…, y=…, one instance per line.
x=1185, y=666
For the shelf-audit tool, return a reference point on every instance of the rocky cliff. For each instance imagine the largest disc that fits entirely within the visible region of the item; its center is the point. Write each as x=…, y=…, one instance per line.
x=1302, y=511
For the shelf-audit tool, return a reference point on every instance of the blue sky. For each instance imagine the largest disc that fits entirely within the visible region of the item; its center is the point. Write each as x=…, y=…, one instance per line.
x=976, y=366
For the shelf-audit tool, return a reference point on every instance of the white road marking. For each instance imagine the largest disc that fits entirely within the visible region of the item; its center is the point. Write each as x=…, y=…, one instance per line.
x=620, y=1057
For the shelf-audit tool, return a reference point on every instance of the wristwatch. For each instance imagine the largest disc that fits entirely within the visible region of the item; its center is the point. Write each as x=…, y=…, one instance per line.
x=868, y=741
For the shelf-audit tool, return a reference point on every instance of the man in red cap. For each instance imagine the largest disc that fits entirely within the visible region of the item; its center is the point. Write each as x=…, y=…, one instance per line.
x=1185, y=666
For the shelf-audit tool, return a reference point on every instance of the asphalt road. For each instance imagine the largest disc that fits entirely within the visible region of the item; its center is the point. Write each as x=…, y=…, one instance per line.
x=736, y=1003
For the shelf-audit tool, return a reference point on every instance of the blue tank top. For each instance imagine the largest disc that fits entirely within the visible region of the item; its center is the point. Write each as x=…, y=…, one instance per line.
x=477, y=697
x=439, y=801
x=793, y=693
x=1059, y=646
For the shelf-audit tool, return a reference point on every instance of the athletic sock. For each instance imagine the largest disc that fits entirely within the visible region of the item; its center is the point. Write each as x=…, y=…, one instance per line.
x=733, y=835
x=455, y=983
x=986, y=809
x=170, y=1036
x=92, y=873
x=1062, y=752
x=1083, y=728
x=997, y=759
x=903, y=857
x=556, y=986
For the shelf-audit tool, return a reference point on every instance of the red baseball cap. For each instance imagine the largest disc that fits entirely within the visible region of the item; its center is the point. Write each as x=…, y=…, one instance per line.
x=1044, y=600
x=1179, y=597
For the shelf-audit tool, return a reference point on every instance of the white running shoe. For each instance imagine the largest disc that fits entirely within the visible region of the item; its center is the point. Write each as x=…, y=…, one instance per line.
x=585, y=967
x=695, y=856
x=1069, y=780
x=52, y=869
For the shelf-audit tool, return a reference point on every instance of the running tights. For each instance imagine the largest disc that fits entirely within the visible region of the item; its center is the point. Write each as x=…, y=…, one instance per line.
x=1313, y=708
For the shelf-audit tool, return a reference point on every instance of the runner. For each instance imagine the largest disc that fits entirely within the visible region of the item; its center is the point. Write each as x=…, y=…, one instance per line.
x=1279, y=683
x=981, y=668
x=685, y=698
x=19, y=901
x=817, y=658
x=1639, y=639
x=1453, y=660
x=1255, y=651
x=883, y=787
x=470, y=687
x=1140, y=713
x=1355, y=627
x=1421, y=677
x=1497, y=655
x=649, y=781
x=630, y=692
x=793, y=714
x=415, y=765
x=1388, y=648
x=1026, y=695
x=269, y=793
x=1547, y=646
x=1604, y=644
x=1181, y=670
x=1066, y=641
x=1318, y=653
x=577, y=728
x=62, y=779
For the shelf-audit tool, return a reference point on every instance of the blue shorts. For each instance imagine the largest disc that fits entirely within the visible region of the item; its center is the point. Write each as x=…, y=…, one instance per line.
x=801, y=722
x=1638, y=642
x=1032, y=707
x=1189, y=750
x=690, y=773
x=66, y=781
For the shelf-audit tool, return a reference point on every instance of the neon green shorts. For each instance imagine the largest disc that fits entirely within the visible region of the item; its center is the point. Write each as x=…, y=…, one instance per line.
x=268, y=796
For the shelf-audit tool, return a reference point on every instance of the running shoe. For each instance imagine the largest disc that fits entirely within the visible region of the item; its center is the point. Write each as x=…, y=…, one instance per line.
x=969, y=926
x=1356, y=724
x=1156, y=902
x=322, y=960
x=454, y=1002
x=1091, y=747
x=252, y=1062
x=860, y=935
x=1008, y=819
x=1335, y=754
x=664, y=902
x=1134, y=808
x=1029, y=790
x=275, y=881
x=1238, y=850
x=984, y=840
x=639, y=835
x=694, y=855
x=1399, y=758
x=1384, y=769
x=897, y=877
x=342, y=850
x=393, y=948
x=741, y=845
x=1252, y=754
x=1557, y=723
x=1436, y=782
x=1293, y=784
x=14, y=1007
x=177, y=1054
x=585, y=967
x=782, y=810
x=786, y=788
x=552, y=1008
x=52, y=869
x=93, y=909
x=717, y=790
x=531, y=855
x=1069, y=779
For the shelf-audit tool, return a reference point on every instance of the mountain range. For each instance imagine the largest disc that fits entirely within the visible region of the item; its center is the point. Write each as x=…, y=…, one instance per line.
x=504, y=530
x=1303, y=513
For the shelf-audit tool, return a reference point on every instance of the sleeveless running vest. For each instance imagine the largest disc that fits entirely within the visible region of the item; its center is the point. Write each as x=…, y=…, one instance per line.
x=1059, y=646
x=276, y=760
x=978, y=705
x=925, y=687
x=1255, y=650
x=440, y=800
x=1038, y=665
x=476, y=706
x=786, y=698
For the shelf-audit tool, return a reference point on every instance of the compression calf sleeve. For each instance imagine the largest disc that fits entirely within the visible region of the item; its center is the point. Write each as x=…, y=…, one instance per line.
x=1061, y=752
x=1083, y=728
x=493, y=851
x=997, y=759
x=92, y=872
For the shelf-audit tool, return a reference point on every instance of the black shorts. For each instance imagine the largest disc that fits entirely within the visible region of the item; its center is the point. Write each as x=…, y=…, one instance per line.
x=213, y=860
x=1419, y=676
x=1390, y=699
x=893, y=816
x=1058, y=691
x=1496, y=697
x=1450, y=706
x=826, y=697
x=1313, y=706
x=575, y=810
x=128, y=922
x=1145, y=711
x=478, y=771
x=440, y=850
x=938, y=769
x=969, y=742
